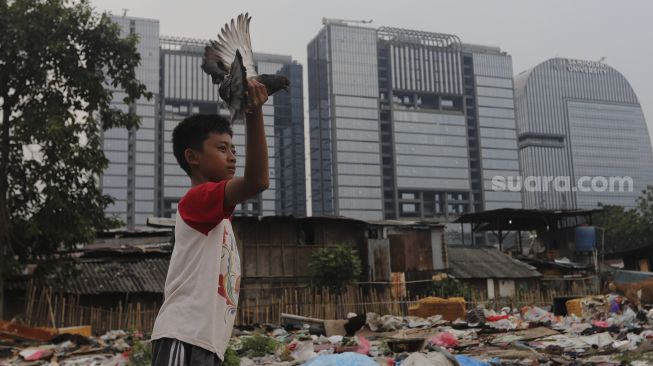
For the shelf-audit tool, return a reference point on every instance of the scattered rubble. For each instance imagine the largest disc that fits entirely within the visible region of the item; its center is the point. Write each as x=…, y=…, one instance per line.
x=22, y=345
x=596, y=332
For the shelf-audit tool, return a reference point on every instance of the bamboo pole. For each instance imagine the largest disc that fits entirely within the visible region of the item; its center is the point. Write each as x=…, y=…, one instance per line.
x=139, y=323
x=49, y=297
x=119, y=314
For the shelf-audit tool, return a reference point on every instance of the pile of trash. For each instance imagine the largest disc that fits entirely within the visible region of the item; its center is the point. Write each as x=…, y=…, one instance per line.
x=595, y=332
x=21, y=345
x=531, y=337
x=598, y=333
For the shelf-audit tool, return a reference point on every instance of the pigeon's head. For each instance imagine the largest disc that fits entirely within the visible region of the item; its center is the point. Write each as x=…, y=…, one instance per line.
x=285, y=83
x=274, y=83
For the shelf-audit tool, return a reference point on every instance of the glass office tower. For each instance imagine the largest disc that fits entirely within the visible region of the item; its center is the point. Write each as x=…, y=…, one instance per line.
x=143, y=175
x=408, y=124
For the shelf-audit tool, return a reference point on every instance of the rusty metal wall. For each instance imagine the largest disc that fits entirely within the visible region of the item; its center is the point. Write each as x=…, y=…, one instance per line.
x=410, y=250
x=378, y=259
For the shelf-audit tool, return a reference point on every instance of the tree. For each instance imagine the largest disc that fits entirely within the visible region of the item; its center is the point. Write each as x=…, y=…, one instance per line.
x=335, y=268
x=628, y=228
x=645, y=208
x=58, y=62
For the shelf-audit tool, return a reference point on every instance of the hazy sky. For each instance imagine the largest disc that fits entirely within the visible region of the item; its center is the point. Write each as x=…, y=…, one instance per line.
x=531, y=31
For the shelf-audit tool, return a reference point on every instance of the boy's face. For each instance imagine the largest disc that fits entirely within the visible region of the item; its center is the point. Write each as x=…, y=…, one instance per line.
x=217, y=160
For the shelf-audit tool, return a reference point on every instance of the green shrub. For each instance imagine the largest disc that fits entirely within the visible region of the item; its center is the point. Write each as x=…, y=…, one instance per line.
x=334, y=268
x=231, y=358
x=257, y=346
x=141, y=352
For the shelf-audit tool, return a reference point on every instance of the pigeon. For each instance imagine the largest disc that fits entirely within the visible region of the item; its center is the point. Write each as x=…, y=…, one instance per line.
x=230, y=62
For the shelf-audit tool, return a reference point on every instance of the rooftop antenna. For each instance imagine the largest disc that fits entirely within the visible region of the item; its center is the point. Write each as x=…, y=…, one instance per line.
x=124, y=12
x=326, y=21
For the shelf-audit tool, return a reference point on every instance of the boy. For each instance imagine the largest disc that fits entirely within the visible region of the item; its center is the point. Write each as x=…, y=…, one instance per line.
x=196, y=319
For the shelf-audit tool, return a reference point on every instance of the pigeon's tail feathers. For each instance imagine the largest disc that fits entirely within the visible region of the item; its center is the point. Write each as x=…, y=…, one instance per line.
x=234, y=115
x=234, y=36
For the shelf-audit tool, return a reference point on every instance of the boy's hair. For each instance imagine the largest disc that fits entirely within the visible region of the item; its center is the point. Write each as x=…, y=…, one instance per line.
x=191, y=133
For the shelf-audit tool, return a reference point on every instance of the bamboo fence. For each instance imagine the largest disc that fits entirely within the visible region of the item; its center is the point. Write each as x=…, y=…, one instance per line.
x=49, y=309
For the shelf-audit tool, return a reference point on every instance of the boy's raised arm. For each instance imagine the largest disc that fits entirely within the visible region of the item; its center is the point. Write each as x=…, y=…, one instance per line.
x=256, y=179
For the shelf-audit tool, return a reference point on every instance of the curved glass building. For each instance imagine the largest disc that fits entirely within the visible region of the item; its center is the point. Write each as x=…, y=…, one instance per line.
x=580, y=123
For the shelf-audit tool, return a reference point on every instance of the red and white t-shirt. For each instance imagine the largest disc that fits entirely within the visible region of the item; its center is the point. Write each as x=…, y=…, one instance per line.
x=203, y=281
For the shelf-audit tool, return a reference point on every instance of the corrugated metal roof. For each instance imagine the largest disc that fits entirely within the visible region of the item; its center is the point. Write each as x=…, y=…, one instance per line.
x=102, y=276
x=135, y=244
x=510, y=219
x=631, y=276
x=467, y=263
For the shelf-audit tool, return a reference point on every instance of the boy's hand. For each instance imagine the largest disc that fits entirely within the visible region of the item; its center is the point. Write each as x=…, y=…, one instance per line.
x=256, y=178
x=257, y=95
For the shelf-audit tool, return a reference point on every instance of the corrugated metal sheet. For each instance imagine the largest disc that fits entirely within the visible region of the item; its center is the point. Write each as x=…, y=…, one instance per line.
x=96, y=277
x=467, y=263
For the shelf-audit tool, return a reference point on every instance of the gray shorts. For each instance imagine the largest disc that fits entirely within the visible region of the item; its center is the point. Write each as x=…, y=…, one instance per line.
x=172, y=352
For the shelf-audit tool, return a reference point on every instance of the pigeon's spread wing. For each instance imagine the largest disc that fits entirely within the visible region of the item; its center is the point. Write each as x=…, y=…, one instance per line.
x=220, y=54
x=211, y=66
x=237, y=87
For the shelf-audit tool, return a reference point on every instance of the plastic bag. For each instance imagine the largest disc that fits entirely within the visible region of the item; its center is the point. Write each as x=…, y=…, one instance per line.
x=431, y=359
x=444, y=339
x=336, y=339
x=303, y=351
x=537, y=315
x=504, y=324
x=97, y=360
x=624, y=320
x=601, y=324
x=495, y=318
x=342, y=359
x=468, y=361
x=36, y=353
x=363, y=345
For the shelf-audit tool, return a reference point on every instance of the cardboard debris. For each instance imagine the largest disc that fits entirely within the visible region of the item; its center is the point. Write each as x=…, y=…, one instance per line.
x=18, y=331
x=574, y=307
x=450, y=309
x=81, y=330
x=335, y=327
x=525, y=335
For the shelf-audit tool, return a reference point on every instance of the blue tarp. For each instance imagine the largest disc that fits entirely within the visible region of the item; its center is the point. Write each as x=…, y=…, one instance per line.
x=468, y=361
x=342, y=359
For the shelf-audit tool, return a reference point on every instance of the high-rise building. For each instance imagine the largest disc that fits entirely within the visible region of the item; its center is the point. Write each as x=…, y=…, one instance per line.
x=408, y=124
x=143, y=173
x=186, y=90
x=131, y=175
x=580, y=122
x=289, y=130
